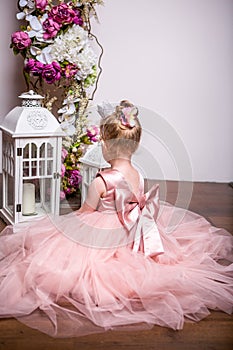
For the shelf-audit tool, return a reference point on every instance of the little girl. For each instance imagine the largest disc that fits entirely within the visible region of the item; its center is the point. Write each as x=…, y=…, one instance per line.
x=111, y=264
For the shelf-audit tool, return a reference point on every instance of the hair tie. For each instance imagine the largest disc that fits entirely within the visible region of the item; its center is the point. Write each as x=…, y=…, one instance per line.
x=128, y=115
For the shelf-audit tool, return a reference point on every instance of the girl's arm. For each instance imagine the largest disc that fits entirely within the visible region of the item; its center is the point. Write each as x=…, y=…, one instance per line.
x=96, y=190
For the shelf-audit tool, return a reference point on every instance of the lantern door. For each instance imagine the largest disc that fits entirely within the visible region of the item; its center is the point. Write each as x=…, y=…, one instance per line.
x=37, y=180
x=88, y=175
x=8, y=178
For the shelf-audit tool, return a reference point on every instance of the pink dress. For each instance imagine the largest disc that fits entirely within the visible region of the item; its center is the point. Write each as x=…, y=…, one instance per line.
x=116, y=267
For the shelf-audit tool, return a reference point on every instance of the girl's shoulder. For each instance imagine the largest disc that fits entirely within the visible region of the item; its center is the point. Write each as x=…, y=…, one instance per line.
x=110, y=177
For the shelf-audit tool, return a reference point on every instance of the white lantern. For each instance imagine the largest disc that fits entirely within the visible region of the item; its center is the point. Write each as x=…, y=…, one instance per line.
x=92, y=162
x=31, y=161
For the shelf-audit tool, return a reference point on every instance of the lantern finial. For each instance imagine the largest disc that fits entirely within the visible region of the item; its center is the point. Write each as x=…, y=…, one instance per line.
x=31, y=99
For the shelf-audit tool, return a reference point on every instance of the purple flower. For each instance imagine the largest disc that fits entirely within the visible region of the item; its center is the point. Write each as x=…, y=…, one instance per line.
x=51, y=72
x=34, y=67
x=62, y=14
x=77, y=19
x=20, y=40
x=74, y=177
x=68, y=190
x=51, y=28
x=41, y=4
x=93, y=133
x=69, y=70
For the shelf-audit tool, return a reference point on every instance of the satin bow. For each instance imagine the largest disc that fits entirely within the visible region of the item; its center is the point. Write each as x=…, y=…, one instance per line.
x=142, y=213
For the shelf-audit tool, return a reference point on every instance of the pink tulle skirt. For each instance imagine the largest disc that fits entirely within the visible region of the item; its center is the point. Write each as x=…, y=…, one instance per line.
x=77, y=274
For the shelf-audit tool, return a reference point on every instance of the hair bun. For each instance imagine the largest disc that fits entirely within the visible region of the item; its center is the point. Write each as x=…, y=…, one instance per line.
x=126, y=113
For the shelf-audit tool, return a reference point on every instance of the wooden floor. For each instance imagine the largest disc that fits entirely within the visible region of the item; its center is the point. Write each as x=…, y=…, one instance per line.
x=212, y=200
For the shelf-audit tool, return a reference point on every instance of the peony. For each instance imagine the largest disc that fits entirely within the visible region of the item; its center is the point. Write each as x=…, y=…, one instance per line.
x=51, y=72
x=41, y=4
x=62, y=14
x=69, y=70
x=74, y=177
x=20, y=40
x=93, y=133
x=34, y=67
x=51, y=28
x=78, y=18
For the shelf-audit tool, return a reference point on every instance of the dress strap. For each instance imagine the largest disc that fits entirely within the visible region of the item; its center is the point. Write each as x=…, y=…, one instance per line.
x=110, y=178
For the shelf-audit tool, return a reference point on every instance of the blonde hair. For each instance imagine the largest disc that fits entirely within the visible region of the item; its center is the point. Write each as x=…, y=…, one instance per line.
x=121, y=138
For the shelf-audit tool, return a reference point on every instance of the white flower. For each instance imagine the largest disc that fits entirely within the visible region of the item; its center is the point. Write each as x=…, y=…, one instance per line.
x=29, y=7
x=43, y=55
x=67, y=46
x=85, y=62
x=35, y=28
x=68, y=109
x=68, y=128
x=28, y=3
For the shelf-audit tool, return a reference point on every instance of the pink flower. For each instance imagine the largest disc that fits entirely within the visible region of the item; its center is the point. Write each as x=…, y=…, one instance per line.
x=62, y=14
x=62, y=195
x=41, y=4
x=20, y=40
x=51, y=72
x=93, y=133
x=63, y=170
x=51, y=28
x=34, y=67
x=69, y=70
x=64, y=153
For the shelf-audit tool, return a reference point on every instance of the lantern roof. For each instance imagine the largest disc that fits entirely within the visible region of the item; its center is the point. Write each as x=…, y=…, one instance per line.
x=94, y=157
x=30, y=119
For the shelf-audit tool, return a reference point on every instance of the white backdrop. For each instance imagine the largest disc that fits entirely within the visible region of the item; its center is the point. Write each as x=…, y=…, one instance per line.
x=172, y=57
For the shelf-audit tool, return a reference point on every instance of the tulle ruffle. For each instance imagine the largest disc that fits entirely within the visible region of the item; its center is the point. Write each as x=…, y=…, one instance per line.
x=72, y=286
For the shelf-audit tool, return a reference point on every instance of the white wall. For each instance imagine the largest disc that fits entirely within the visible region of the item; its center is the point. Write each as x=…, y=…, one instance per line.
x=172, y=57
x=11, y=72
x=175, y=57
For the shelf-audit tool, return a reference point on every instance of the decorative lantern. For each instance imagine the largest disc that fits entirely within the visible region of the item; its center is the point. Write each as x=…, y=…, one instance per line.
x=31, y=161
x=92, y=162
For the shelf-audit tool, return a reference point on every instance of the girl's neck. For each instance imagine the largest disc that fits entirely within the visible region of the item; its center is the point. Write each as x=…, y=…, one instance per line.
x=120, y=163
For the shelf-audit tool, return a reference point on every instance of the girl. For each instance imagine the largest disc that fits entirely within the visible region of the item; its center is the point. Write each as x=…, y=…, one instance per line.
x=111, y=264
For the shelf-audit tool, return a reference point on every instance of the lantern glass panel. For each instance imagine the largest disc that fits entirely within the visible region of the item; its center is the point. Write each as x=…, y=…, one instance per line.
x=33, y=168
x=49, y=150
x=25, y=168
x=33, y=150
x=38, y=178
x=26, y=152
x=42, y=167
x=8, y=173
x=49, y=167
x=9, y=199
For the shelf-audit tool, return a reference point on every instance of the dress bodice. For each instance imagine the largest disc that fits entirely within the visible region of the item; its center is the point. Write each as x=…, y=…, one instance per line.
x=137, y=212
x=115, y=181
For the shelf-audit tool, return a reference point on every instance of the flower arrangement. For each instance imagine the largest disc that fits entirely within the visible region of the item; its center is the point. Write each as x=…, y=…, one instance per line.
x=56, y=43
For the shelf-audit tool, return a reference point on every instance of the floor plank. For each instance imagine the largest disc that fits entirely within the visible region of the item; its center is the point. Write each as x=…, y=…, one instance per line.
x=215, y=202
